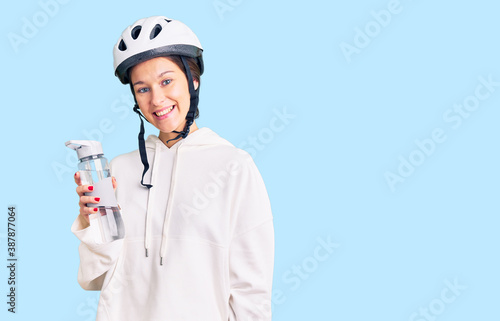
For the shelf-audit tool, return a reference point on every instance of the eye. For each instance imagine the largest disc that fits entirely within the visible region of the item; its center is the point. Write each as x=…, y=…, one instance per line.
x=142, y=90
x=166, y=82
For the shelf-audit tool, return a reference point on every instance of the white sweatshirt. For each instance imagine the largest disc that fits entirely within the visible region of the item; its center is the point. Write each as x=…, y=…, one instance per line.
x=207, y=220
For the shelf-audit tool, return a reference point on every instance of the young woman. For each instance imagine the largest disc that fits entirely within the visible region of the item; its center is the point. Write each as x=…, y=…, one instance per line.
x=199, y=237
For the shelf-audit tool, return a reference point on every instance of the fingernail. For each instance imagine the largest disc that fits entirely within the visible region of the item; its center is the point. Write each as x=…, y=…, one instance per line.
x=75, y=174
x=97, y=199
x=91, y=188
x=95, y=209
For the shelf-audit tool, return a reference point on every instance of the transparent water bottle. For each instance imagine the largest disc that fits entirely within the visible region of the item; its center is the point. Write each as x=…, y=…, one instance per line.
x=106, y=224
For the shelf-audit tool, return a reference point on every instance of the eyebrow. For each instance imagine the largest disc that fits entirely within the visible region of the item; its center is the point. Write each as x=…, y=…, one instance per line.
x=159, y=76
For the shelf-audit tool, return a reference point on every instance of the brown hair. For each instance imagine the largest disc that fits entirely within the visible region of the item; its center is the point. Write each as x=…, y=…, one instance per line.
x=193, y=67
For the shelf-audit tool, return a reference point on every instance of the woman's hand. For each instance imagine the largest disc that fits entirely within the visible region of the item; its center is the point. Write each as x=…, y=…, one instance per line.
x=80, y=190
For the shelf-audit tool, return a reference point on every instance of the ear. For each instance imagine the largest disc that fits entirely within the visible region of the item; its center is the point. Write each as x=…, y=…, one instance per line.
x=196, y=84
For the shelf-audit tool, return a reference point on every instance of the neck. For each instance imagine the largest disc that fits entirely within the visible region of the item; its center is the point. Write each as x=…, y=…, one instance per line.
x=166, y=136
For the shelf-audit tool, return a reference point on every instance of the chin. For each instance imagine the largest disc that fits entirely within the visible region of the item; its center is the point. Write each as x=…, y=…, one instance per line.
x=171, y=128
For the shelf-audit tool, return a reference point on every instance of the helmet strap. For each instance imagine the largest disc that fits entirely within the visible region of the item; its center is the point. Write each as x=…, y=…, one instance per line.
x=142, y=143
x=192, y=106
x=142, y=147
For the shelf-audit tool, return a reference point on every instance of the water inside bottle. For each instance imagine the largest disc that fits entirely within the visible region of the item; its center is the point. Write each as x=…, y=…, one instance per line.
x=89, y=176
x=110, y=224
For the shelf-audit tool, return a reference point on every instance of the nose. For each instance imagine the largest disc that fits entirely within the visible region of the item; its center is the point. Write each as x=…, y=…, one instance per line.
x=157, y=97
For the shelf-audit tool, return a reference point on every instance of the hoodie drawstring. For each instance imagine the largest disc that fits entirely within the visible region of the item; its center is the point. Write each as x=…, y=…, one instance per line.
x=168, y=214
x=151, y=200
x=142, y=144
x=156, y=161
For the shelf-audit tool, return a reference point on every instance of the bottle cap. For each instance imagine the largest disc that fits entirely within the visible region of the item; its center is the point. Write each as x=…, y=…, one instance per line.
x=85, y=148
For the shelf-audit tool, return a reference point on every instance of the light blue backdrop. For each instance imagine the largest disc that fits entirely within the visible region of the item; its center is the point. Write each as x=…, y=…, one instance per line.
x=373, y=123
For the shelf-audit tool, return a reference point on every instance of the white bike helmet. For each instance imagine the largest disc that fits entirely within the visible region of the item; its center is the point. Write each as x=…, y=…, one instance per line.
x=152, y=37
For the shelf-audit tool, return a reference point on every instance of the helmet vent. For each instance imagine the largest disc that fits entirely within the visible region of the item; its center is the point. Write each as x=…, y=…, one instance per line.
x=122, y=46
x=167, y=20
x=156, y=30
x=136, y=31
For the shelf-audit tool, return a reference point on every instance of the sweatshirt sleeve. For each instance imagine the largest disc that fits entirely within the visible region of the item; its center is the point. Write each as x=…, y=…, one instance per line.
x=251, y=252
x=95, y=259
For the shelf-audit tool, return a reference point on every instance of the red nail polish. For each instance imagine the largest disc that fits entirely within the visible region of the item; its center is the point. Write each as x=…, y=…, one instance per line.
x=95, y=209
x=91, y=188
x=75, y=174
x=97, y=199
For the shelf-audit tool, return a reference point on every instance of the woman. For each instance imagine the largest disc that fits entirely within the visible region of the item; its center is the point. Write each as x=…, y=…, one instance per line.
x=199, y=237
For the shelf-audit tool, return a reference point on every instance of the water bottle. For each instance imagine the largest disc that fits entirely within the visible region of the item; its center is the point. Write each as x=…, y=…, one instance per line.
x=106, y=224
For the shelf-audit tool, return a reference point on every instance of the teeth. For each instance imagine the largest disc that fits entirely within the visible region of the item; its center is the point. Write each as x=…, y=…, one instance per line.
x=166, y=111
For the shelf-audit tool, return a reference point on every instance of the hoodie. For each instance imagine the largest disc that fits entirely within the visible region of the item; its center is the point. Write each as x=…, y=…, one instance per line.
x=198, y=245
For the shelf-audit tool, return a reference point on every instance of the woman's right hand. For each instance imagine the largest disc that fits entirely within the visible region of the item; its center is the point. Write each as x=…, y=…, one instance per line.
x=81, y=190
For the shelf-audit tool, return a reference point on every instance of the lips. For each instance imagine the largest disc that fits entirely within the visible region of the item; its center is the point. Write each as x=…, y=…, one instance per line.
x=164, y=113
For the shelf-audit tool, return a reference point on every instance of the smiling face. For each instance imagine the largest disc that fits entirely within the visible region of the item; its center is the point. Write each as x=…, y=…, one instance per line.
x=162, y=93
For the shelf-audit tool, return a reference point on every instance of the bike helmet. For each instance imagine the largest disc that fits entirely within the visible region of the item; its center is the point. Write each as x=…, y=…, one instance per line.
x=152, y=37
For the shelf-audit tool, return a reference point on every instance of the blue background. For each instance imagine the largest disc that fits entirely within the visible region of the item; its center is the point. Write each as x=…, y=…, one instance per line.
x=355, y=117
